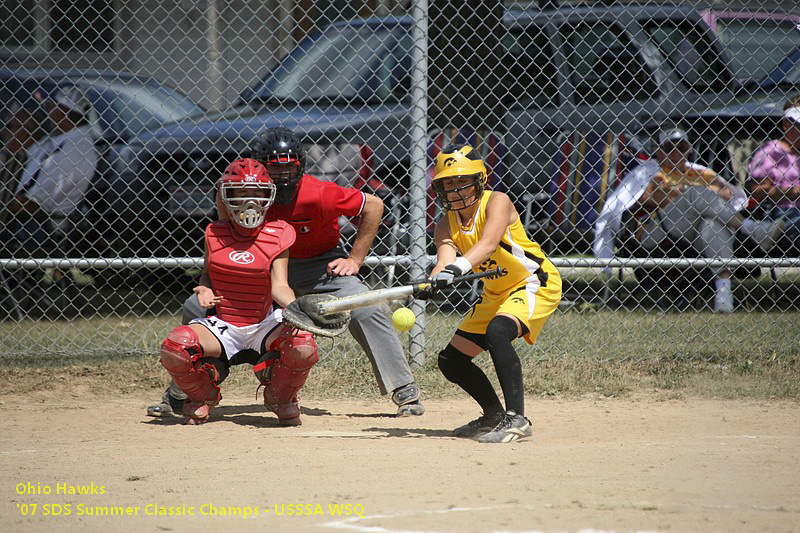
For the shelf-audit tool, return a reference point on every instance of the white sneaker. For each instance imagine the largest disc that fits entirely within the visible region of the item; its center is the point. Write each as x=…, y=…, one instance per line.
x=511, y=428
x=723, y=300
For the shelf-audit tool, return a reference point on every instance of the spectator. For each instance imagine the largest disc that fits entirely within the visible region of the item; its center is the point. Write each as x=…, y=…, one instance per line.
x=57, y=173
x=22, y=128
x=775, y=173
x=683, y=200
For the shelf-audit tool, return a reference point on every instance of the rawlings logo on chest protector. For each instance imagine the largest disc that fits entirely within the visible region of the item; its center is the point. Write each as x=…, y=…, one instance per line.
x=241, y=257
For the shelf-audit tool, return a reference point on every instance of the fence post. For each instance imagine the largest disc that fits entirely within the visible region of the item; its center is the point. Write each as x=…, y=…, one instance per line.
x=417, y=187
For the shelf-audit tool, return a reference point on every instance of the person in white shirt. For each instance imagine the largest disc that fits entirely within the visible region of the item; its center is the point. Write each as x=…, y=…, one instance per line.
x=57, y=174
x=684, y=200
x=23, y=125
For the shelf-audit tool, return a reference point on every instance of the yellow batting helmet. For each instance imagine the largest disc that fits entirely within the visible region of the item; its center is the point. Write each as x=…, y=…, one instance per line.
x=458, y=161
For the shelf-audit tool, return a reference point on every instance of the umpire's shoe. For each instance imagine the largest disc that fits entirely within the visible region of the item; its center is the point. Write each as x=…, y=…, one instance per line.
x=171, y=403
x=512, y=427
x=406, y=398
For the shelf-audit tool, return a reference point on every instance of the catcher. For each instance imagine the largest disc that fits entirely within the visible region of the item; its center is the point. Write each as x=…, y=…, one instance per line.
x=246, y=261
x=485, y=228
x=319, y=264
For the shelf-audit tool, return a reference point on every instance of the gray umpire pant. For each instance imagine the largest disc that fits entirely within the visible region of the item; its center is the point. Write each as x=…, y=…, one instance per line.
x=370, y=326
x=700, y=216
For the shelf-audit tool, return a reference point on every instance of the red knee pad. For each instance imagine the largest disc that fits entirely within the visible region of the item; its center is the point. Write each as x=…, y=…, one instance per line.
x=180, y=355
x=297, y=349
x=298, y=353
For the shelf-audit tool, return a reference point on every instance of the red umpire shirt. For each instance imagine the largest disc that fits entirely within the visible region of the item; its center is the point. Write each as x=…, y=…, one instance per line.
x=314, y=213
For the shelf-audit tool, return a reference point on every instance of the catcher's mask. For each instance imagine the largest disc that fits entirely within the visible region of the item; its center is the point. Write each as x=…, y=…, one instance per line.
x=279, y=149
x=459, y=177
x=247, y=192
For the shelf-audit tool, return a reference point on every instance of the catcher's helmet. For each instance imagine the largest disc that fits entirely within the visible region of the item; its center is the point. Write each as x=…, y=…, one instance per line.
x=454, y=163
x=279, y=149
x=247, y=192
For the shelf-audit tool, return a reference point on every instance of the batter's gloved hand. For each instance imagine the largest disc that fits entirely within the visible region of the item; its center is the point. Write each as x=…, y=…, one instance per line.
x=426, y=293
x=452, y=271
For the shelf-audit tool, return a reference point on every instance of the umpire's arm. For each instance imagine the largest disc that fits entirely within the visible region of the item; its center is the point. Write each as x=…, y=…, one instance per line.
x=367, y=229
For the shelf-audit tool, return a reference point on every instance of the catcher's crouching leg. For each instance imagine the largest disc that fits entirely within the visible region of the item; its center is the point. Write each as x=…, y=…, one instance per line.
x=197, y=376
x=297, y=354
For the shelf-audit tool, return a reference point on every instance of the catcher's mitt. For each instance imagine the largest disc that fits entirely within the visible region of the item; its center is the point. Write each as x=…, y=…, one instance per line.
x=303, y=314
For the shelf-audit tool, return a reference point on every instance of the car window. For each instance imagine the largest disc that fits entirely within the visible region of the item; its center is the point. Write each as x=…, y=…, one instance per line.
x=690, y=53
x=145, y=106
x=393, y=76
x=333, y=68
x=532, y=73
x=793, y=74
x=757, y=46
x=605, y=65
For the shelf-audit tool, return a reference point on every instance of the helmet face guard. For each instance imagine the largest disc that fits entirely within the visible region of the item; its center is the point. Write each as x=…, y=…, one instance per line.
x=276, y=148
x=285, y=172
x=459, y=162
x=248, y=208
x=247, y=193
x=457, y=197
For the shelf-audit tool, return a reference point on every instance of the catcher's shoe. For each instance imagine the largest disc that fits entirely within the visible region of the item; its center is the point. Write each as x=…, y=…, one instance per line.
x=483, y=424
x=195, y=413
x=512, y=427
x=170, y=406
x=406, y=398
x=288, y=413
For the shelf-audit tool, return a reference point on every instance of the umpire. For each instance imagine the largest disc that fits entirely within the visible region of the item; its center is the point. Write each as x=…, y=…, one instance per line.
x=318, y=263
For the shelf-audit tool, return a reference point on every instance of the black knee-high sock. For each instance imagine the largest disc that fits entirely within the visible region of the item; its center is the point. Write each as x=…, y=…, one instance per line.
x=500, y=333
x=458, y=368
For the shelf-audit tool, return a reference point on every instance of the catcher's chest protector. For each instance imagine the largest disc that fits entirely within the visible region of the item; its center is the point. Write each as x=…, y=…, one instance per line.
x=240, y=269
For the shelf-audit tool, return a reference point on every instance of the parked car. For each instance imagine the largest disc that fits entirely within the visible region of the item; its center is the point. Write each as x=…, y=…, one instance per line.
x=728, y=134
x=573, y=68
x=756, y=40
x=123, y=105
x=786, y=75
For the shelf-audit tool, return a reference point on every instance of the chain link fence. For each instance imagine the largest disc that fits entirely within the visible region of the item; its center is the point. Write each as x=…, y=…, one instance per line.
x=652, y=149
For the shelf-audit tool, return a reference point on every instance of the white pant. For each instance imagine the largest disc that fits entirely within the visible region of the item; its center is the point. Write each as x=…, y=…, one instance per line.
x=237, y=338
x=700, y=216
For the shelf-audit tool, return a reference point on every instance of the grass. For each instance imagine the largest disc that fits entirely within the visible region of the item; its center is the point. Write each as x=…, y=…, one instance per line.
x=584, y=349
x=608, y=353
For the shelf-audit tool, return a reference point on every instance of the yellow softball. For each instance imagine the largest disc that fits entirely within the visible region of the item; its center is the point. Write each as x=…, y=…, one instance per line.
x=403, y=319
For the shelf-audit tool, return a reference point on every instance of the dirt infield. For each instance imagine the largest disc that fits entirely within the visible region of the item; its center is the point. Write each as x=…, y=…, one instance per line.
x=617, y=464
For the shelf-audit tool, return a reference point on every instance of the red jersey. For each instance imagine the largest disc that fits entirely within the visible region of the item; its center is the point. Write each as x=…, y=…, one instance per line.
x=314, y=213
x=240, y=269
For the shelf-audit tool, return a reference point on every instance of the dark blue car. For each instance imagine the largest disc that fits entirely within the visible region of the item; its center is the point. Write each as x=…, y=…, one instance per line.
x=123, y=104
x=165, y=195
x=346, y=91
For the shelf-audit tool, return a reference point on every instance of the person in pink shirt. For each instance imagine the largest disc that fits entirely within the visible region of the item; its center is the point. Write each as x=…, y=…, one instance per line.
x=775, y=172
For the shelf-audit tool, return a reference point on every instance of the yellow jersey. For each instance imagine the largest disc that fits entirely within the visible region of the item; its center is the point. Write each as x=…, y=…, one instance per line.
x=519, y=258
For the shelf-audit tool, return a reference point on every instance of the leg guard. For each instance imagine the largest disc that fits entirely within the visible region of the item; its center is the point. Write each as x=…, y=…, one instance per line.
x=500, y=333
x=459, y=368
x=298, y=353
x=182, y=356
